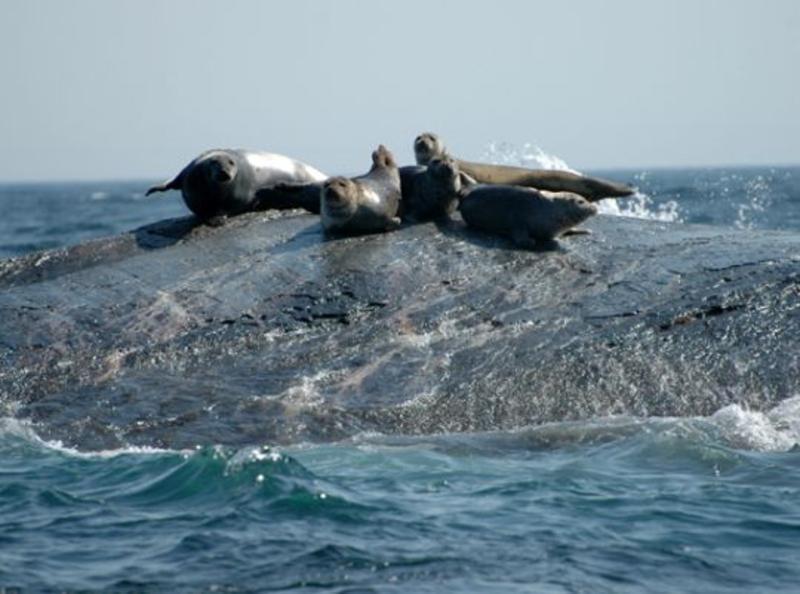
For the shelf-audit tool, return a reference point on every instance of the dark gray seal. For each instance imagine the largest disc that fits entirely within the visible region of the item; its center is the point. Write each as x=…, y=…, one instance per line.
x=222, y=182
x=531, y=218
x=430, y=192
x=428, y=146
x=365, y=204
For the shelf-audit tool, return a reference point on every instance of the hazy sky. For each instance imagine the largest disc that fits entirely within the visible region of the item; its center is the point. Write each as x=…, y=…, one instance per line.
x=99, y=89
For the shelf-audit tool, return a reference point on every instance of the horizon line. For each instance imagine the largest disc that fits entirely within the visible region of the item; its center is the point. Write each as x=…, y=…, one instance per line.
x=621, y=169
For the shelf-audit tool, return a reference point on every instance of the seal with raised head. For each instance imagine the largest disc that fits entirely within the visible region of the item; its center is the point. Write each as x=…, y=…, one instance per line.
x=430, y=192
x=223, y=182
x=428, y=146
x=531, y=218
x=365, y=204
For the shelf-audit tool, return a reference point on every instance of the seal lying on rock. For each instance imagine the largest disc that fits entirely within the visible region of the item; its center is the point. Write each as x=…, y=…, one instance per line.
x=530, y=218
x=430, y=192
x=365, y=204
x=428, y=146
x=219, y=182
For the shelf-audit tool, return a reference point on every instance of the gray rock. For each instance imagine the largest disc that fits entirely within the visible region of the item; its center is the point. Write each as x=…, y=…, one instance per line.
x=264, y=332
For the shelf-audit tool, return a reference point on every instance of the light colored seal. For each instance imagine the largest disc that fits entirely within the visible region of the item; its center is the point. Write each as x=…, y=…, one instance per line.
x=365, y=204
x=531, y=218
x=430, y=192
x=428, y=146
x=223, y=182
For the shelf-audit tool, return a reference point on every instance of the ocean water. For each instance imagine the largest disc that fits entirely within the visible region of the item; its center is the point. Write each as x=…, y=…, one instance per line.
x=623, y=504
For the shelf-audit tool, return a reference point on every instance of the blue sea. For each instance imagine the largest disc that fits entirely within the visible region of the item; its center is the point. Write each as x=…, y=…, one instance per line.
x=611, y=505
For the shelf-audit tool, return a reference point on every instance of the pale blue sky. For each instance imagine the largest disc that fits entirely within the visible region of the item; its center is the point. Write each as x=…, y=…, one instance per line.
x=98, y=89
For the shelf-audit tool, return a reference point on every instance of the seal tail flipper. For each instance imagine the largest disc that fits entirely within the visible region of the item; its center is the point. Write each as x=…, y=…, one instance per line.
x=466, y=180
x=174, y=184
x=599, y=188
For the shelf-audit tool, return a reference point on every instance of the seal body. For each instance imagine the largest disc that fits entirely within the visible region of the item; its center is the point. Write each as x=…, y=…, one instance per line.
x=531, y=218
x=428, y=146
x=430, y=192
x=365, y=204
x=222, y=182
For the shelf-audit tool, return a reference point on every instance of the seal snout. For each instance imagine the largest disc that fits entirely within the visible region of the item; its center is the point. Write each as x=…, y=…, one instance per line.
x=221, y=170
x=223, y=176
x=335, y=191
x=382, y=157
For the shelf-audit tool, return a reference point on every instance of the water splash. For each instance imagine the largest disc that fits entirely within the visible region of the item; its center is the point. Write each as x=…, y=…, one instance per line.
x=529, y=155
x=638, y=206
x=641, y=206
x=757, y=200
x=775, y=430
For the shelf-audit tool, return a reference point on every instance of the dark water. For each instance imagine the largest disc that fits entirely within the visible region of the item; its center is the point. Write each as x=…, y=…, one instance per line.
x=45, y=216
x=612, y=505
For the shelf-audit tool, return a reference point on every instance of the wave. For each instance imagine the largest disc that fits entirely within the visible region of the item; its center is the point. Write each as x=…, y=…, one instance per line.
x=23, y=431
x=733, y=426
x=143, y=476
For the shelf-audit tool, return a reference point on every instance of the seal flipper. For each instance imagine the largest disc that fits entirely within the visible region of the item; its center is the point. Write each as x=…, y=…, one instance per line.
x=466, y=180
x=576, y=231
x=393, y=224
x=599, y=189
x=215, y=221
x=176, y=183
x=520, y=237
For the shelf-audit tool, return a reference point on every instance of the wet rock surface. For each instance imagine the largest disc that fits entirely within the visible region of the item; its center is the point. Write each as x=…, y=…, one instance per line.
x=264, y=331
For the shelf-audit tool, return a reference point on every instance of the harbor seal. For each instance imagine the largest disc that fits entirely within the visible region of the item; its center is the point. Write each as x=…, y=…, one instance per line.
x=365, y=204
x=223, y=182
x=428, y=146
x=430, y=192
x=531, y=218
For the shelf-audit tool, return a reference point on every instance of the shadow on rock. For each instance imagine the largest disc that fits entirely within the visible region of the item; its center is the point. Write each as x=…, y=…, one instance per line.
x=457, y=229
x=165, y=233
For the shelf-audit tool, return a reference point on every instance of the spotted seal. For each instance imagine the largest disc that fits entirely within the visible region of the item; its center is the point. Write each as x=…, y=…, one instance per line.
x=223, y=182
x=365, y=204
x=430, y=192
x=531, y=218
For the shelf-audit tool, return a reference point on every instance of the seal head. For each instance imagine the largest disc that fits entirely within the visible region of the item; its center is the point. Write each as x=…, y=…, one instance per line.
x=339, y=200
x=444, y=173
x=428, y=146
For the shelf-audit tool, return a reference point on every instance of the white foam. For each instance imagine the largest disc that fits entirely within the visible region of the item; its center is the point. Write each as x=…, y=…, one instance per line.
x=776, y=430
x=26, y=431
x=640, y=206
x=304, y=395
